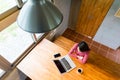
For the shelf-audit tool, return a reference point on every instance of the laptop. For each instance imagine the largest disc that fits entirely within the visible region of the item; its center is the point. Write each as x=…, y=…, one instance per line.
x=64, y=64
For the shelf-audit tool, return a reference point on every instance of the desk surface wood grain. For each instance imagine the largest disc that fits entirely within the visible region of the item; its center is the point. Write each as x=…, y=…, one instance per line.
x=38, y=64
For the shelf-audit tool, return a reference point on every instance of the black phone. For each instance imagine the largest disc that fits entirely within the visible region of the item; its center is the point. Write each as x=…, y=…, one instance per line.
x=57, y=55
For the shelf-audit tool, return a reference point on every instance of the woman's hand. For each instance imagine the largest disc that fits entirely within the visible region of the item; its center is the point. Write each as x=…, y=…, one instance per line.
x=79, y=57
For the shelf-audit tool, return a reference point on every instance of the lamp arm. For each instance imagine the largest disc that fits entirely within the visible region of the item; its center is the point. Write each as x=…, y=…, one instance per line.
x=34, y=37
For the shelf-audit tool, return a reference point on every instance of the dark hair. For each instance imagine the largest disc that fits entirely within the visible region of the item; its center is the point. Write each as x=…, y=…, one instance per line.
x=83, y=46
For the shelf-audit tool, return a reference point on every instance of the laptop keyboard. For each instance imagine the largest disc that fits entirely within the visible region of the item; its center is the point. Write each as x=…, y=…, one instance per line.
x=65, y=62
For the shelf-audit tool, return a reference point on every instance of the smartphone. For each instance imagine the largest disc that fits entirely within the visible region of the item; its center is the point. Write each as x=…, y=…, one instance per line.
x=57, y=55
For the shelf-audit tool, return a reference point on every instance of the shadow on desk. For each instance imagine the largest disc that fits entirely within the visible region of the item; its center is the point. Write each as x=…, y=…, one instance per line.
x=28, y=78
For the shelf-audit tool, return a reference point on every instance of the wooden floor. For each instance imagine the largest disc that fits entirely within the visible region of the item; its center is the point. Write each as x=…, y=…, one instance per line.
x=104, y=68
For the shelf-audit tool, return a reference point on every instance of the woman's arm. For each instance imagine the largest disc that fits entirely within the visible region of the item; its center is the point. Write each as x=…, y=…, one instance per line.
x=85, y=58
x=72, y=50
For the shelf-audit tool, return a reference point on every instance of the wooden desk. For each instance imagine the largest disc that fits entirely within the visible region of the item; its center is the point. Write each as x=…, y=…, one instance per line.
x=38, y=65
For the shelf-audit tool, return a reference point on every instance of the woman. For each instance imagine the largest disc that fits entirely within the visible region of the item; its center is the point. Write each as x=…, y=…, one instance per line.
x=80, y=51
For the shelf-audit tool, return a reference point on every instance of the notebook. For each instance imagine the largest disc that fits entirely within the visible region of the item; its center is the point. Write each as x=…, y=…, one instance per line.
x=64, y=64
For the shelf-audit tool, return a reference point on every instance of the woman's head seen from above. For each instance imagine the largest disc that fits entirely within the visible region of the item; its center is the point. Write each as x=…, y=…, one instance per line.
x=83, y=46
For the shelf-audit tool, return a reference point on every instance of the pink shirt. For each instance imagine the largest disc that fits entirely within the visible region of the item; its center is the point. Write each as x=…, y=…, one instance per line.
x=81, y=56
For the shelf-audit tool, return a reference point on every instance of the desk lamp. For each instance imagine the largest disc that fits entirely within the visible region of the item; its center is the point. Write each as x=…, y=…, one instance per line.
x=39, y=16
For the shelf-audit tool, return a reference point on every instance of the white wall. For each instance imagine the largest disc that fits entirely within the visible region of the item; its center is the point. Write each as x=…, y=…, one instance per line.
x=64, y=7
x=74, y=13
x=109, y=31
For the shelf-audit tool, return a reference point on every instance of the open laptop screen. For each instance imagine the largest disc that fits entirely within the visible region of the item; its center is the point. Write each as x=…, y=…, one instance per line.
x=59, y=66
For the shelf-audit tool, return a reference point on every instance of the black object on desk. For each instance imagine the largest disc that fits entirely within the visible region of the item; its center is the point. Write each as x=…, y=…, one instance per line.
x=57, y=55
x=59, y=66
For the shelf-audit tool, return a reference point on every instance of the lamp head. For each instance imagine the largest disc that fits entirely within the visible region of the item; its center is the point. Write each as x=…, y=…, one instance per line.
x=39, y=16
